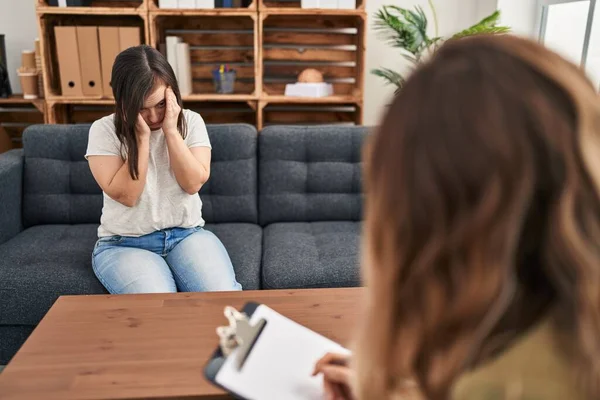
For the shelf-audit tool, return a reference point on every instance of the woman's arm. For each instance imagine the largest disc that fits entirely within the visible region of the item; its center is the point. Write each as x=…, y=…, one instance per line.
x=113, y=176
x=190, y=166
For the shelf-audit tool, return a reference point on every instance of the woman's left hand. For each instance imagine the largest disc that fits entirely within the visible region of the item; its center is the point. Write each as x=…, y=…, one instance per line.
x=172, y=111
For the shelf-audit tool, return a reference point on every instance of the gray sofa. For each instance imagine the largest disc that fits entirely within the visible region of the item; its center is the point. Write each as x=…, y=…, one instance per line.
x=286, y=203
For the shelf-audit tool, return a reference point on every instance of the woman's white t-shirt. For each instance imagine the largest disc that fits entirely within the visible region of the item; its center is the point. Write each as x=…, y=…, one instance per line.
x=163, y=203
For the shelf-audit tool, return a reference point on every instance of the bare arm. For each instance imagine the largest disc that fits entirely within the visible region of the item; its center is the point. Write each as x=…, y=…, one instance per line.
x=112, y=173
x=190, y=166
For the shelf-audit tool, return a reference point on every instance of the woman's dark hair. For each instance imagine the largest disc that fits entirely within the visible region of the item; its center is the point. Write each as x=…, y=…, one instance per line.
x=133, y=75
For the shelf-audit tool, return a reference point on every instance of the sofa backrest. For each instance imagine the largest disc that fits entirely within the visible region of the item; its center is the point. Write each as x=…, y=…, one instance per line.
x=310, y=173
x=59, y=187
x=231, y=193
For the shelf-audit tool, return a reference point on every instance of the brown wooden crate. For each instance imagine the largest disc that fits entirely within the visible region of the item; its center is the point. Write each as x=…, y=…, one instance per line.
x=279, y=88
x=303, y=116
x=282, y=4
x=47, y=24
x=279, y=54
x=305, y=38
x=328, y=71
x=311, y=21
x=29, y=117
x=83, y=114
x=207, y=86
x=110, y=3
x=205, y=23
x=202, y=38
x=216, y=117
x=222, y=56
x=205, y=71
x=224, y=112
x=14, y=131
x=293, y=4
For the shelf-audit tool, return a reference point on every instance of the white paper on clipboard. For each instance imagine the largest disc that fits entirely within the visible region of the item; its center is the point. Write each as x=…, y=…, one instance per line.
x=280, y=363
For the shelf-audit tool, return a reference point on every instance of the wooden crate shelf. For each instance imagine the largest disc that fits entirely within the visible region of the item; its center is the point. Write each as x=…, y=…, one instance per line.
x=101, y=7
x=87, y=110
x=48, y=42
x=247, y=5
x=312, y=11
x=214, y=40
x=331, y=44
x=310, y=113
x=268, y=42
x=16, y=114
x=296, y=5
x=225, y=112
x=309, y=100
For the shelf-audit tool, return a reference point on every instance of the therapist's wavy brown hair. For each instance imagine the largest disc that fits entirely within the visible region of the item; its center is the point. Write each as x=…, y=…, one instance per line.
x=482, y=217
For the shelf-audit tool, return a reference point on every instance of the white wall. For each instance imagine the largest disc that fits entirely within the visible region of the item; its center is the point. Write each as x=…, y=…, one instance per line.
x=18, y=24
x=520, y=15
x=453, y=15
x=486, y=7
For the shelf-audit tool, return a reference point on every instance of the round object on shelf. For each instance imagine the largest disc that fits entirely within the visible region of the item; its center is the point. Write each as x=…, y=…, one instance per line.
x=310, y=75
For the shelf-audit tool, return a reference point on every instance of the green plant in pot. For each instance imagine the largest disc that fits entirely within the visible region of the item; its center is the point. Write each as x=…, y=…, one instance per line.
x=406, y=30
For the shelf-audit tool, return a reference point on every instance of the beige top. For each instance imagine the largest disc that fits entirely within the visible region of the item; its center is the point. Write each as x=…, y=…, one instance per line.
x=534, y=368
x=163, y=203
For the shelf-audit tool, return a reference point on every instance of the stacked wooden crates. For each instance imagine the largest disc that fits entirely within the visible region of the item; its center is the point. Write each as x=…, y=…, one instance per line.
x=268, y=43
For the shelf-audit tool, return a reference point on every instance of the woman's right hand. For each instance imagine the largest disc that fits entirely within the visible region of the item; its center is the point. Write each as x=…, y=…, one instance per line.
x=142, y=129
x=337, y=376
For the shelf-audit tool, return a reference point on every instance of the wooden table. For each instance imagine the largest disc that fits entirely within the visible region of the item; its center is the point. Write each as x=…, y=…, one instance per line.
x=151, y=346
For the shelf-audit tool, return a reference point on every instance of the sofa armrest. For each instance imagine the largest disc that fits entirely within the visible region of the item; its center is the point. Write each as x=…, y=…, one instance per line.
x=11, y=194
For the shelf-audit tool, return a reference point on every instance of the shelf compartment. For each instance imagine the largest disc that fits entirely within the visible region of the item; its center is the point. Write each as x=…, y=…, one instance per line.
x=97, y=7
x=214, y=40
x=332, y=45
x=247, y=5
x=48, y=41
x=16, y=114
x=311, y=114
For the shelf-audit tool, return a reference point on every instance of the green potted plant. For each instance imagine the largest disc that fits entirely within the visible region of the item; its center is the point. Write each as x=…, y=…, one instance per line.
x=406, y=30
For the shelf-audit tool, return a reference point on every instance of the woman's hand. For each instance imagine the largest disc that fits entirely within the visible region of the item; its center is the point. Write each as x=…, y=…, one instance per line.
x=172, y=111
x=142, y=129
x=337, y=376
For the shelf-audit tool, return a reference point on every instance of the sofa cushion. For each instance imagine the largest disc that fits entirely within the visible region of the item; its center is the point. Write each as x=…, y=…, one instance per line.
x=230, y=195
x=310, y=255
x=59, y=187
x=310, y=173
x=13, y=338
x=42, y=263
x=47, y=261
x=244, y=245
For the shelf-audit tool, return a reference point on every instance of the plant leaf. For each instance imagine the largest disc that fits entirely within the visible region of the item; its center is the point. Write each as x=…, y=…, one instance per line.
x=403, y=28
x=486, y=26
x=390, y=76
x=478, y=30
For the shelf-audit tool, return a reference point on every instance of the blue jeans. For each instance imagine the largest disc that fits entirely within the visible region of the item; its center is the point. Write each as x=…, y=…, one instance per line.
x=170, y=260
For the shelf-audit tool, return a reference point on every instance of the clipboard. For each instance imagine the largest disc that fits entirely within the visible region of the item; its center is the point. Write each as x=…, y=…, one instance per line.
x=273, y=359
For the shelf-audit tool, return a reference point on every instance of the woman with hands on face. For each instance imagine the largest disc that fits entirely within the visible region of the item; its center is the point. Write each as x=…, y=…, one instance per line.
x=151, y=158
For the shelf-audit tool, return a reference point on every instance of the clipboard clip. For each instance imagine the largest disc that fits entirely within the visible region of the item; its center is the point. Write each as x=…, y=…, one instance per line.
x=239, y=334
